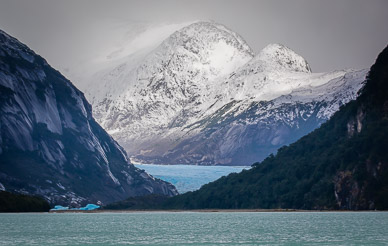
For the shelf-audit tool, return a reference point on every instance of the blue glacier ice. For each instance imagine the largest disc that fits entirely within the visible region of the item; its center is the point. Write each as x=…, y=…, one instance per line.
x=189, y=177
x=90, y=207
x=59, y=207
x=86, y=208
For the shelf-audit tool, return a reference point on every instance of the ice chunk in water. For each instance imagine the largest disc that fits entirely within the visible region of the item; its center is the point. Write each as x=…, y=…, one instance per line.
x=90, y=207
x=59, y=207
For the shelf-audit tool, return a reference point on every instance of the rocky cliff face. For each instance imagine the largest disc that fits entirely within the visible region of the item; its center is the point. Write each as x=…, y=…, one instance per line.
x=363, y=186
x=203, y=97
x=50, y=144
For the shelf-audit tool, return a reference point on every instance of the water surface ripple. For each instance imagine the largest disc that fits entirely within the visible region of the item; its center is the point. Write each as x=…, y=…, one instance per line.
x=195, y=228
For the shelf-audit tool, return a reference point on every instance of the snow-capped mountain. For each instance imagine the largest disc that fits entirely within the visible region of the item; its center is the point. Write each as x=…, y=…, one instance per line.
x=174, y=77
x=203, y=97
x=50, y=144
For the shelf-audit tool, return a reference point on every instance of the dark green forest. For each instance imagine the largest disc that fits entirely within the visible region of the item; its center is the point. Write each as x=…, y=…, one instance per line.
x=10, y=202
x=147, y=202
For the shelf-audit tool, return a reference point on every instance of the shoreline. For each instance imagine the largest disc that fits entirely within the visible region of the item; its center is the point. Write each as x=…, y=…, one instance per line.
x=210, y=211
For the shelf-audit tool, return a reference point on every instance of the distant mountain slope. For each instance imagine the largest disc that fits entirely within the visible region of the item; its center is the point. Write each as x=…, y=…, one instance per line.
x=341, y=165
x=203, y=97
x=50, y=144
x=244, y=131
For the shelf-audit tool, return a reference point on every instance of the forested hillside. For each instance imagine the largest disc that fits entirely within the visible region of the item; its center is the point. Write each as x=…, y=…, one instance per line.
x=341, y=165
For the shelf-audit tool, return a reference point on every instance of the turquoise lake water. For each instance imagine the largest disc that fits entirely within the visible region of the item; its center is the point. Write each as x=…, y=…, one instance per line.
x=195, y=228
x=189, y=177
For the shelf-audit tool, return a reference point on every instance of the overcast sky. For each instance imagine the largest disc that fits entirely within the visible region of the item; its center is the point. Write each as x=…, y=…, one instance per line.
x=330, y=34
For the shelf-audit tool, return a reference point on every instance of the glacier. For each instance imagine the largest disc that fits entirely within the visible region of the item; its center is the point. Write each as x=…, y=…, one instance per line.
x=189, y=177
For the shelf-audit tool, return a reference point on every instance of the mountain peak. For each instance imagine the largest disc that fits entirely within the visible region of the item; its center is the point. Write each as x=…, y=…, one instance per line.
x=209, y=46
x=213, y=31
x=185, y=64
x=279, y=55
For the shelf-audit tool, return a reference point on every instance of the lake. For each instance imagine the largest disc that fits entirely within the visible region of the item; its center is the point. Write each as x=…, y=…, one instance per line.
x=189, y=177
x=195, y=228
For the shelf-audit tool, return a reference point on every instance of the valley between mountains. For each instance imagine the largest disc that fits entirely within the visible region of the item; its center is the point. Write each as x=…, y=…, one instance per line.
x=198, y=96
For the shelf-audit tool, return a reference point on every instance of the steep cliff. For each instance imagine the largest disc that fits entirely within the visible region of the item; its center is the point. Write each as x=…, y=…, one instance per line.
x=51, y=145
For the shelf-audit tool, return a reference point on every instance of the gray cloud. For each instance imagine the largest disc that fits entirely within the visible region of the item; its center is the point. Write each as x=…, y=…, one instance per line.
x=330, y=34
